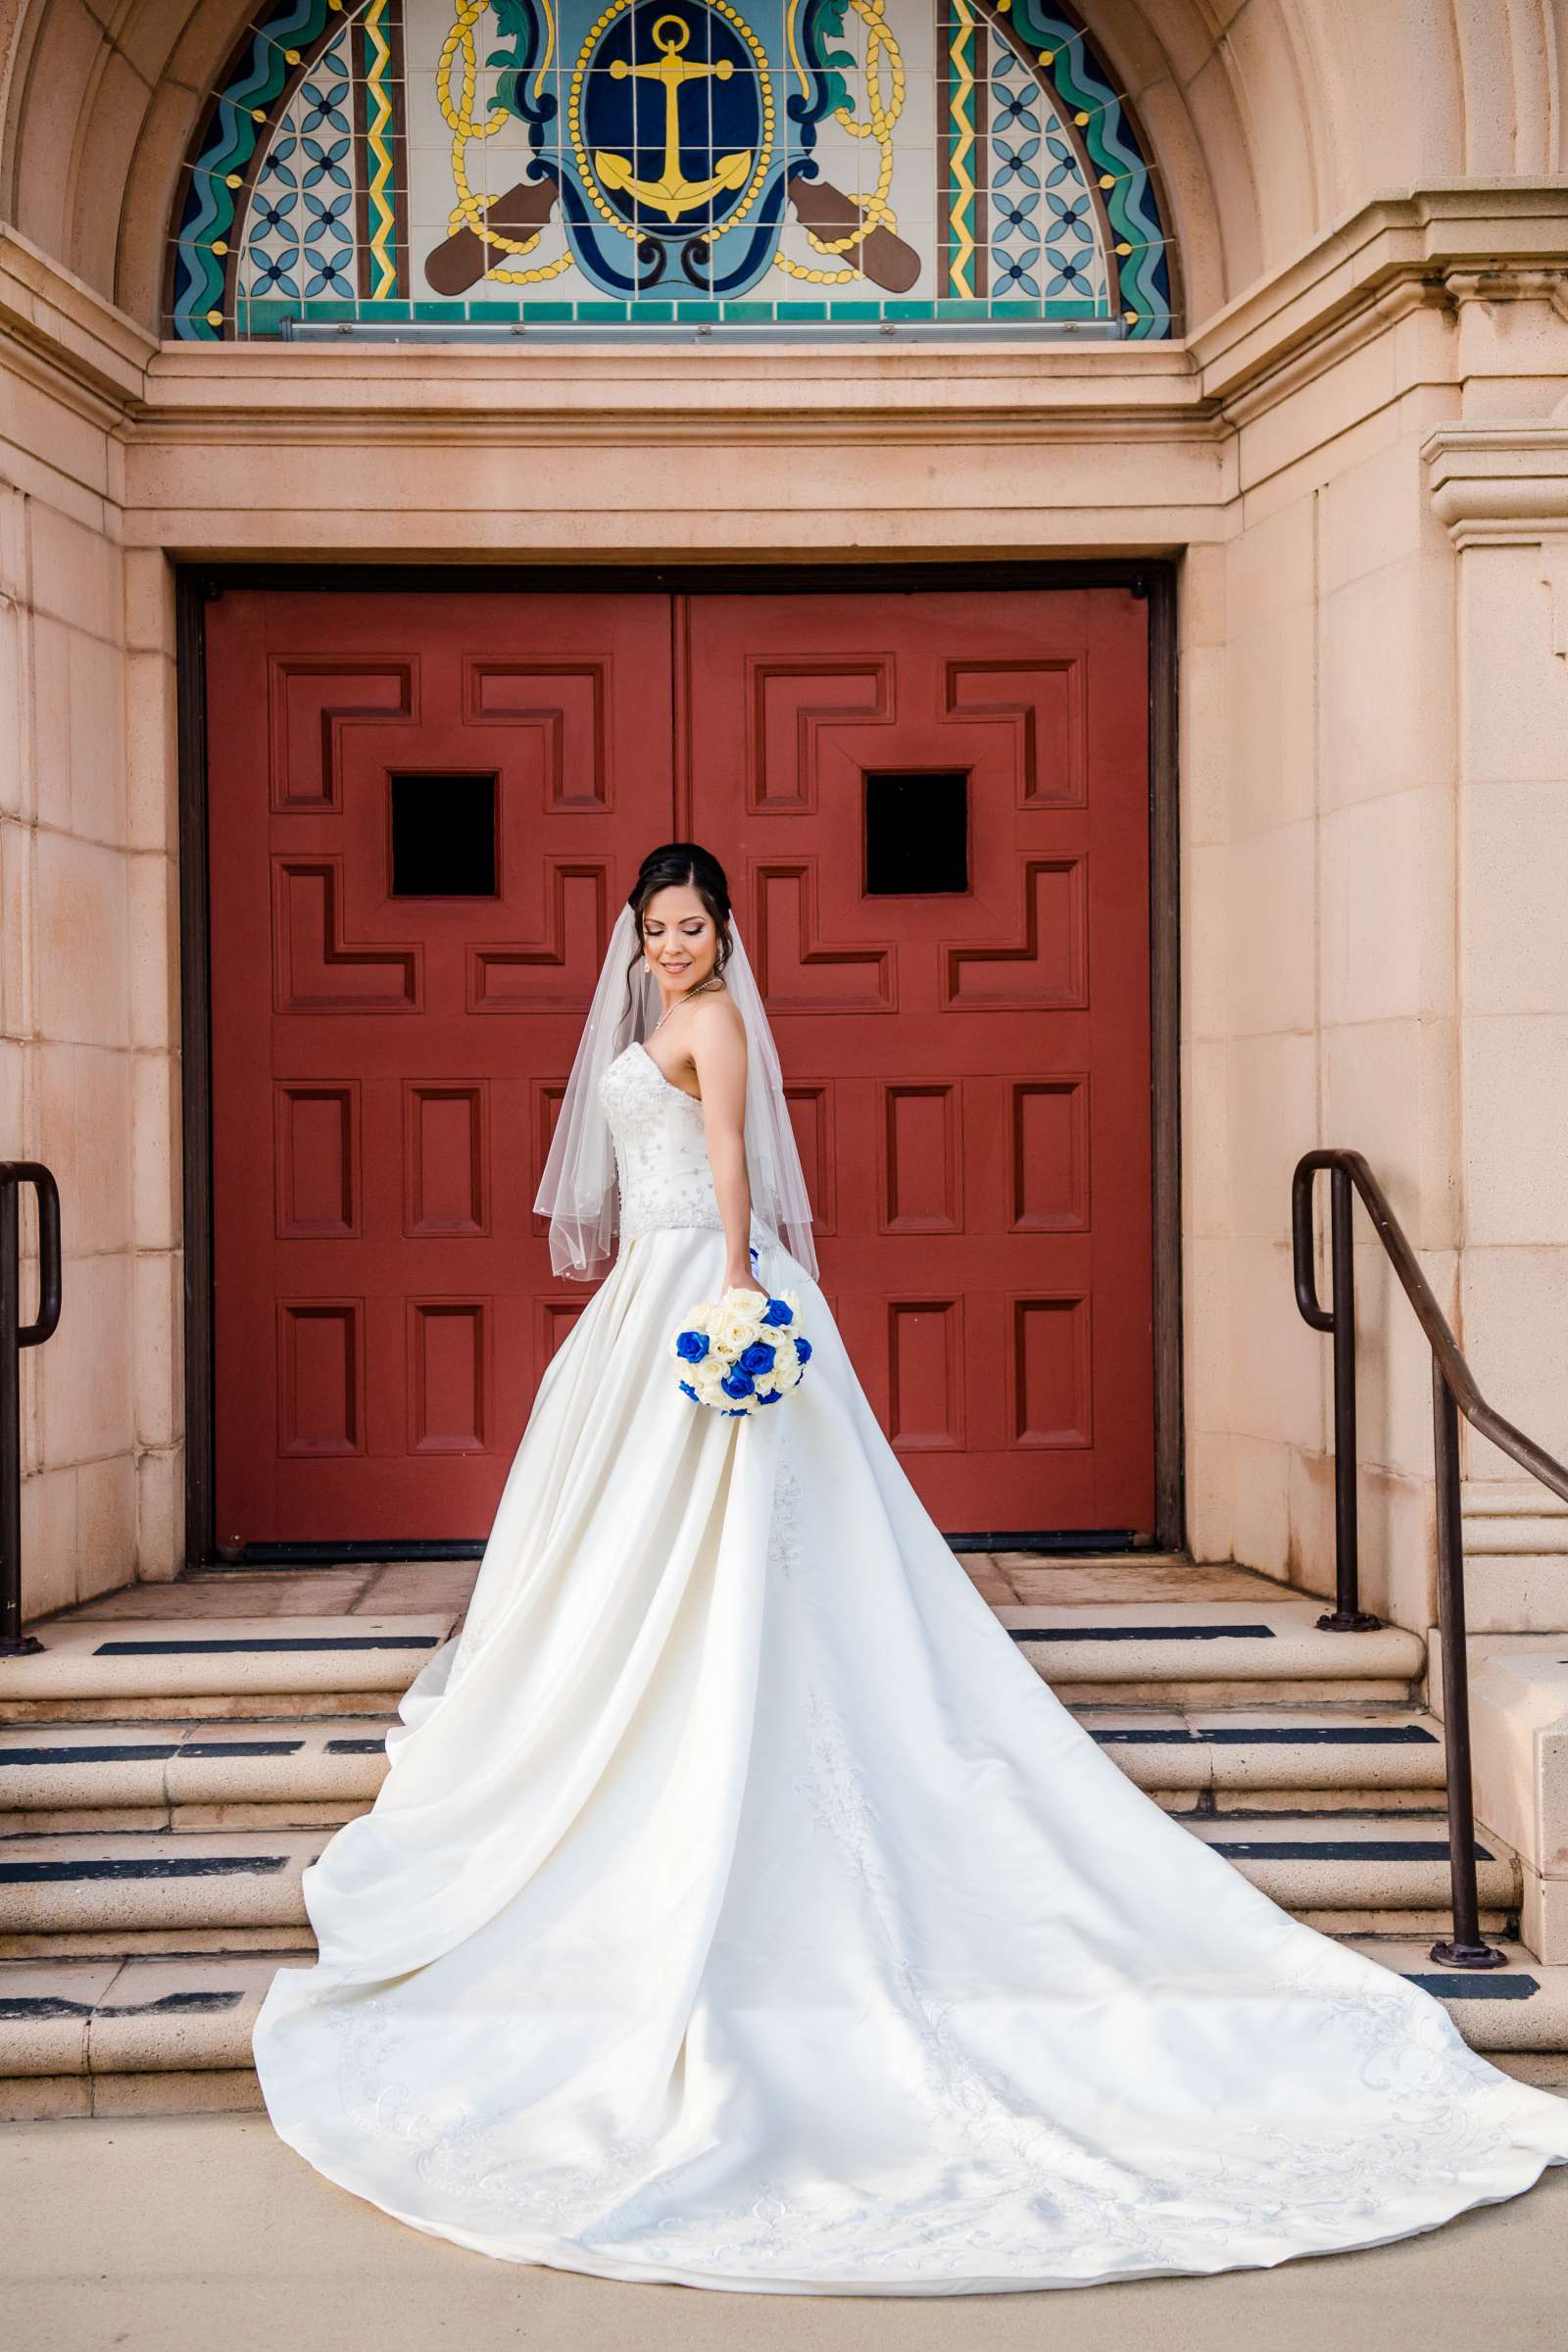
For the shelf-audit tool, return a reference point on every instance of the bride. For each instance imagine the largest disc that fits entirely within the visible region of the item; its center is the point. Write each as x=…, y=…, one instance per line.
x=740, y=1907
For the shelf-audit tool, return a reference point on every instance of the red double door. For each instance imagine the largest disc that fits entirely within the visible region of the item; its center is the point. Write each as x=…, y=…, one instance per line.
x=425, y=810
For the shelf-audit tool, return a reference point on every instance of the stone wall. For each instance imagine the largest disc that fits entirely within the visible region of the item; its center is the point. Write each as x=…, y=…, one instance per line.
x=88, y=1018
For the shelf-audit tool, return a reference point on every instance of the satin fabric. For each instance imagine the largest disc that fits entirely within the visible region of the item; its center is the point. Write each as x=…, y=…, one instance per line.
x=741, y=1909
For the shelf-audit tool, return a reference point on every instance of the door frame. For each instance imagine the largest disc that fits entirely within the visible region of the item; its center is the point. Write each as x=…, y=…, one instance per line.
x=198, y=584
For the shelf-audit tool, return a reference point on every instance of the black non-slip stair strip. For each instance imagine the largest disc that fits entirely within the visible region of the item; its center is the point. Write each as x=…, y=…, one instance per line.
x=1336, y=1849
x=1337, y=1734
x=147, y=1752
x=1467, y=1985
x=357, y=1747
x=28, y=2008
x=110, y=1867
x=267, y=1645
x=1142, y=1633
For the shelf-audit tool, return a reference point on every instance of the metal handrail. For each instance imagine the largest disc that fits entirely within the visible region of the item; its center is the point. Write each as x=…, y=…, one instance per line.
x=1454, y=1391
x=15, y=1335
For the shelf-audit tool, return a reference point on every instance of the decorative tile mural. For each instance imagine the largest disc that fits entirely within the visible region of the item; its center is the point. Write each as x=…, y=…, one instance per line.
x=516, y=164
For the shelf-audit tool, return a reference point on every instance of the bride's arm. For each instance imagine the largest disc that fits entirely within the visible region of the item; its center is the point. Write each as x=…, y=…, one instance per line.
x=718, y=1053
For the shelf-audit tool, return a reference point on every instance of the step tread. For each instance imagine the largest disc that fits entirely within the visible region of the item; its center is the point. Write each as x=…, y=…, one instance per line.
x=60, y=2017
x=170, y=1657
x=1262, y=1641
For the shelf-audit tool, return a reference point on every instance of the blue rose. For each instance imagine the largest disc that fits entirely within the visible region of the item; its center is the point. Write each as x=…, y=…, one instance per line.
x=758, y=1357
x=768, y=1395
x=737, y=1382
x=692, y=1346
x=776, y=1311
x=687, y=1389
x=803, y=1349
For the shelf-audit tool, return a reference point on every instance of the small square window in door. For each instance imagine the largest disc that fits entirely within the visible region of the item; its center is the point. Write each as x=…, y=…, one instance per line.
x=916, y=832
x=443, y=836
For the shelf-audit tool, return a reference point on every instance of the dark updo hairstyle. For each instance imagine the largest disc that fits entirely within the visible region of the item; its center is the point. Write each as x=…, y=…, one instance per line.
x=682, y=866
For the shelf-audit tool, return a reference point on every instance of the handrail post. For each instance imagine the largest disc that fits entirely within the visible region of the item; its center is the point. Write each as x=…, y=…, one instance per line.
x=15, y=1335
x=1347, y=1615
x=1466, y=1949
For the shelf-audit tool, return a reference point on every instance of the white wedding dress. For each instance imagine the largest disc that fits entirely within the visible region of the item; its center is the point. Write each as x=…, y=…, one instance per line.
x=742, y=1909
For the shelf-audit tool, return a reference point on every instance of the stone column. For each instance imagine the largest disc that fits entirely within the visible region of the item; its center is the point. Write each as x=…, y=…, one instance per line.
x=1502, y=488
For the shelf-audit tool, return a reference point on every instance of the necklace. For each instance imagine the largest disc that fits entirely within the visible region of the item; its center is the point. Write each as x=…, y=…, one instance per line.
x=712, y=981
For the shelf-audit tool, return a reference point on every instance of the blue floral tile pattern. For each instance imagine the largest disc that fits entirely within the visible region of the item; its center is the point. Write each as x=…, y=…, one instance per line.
x=299, y=233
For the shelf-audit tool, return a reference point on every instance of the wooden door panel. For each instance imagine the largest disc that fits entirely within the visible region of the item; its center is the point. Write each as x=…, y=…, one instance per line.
x=969, y=1068
x=387, y=1066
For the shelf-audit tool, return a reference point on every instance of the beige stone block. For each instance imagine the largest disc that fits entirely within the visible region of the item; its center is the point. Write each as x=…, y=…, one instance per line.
x=1205, y=745
x=160, y=1513
x=14, y=1058
x=1207, y=1006
x=1391, y=1092
x=1206, y=1337
x=194, y=2092
x=154, y=919
x=155, y=1152
x=1282, y=448
x=48, y=1541
x=159, y=1324
x=1378, y=914
x=1395, y=1521
x=82, y=981
x=1270, y=1120
x=1515, y=1123
x=1393, y=1360
x=83, y=1101
x=1310, y=1557
x=1210, y=1495
x=152, y=771
x=1514, y=860
x=17, y=892
x=106, y=1525
x=16, y=723
x=75, y=573
x=50, y=762
x=44, y=2098
x=149, y=600
x=1278, y=1369
x=1205, y=1142
x=1271, y=728
x=1271, y=911
x=1261, y=1526
x=87, y=1366
x=1202, y=603
x=1270, y=563
x=1374, y=513
x=1515, y=1337
x=1387, y=686
x=97, y=728
x=1515, y=707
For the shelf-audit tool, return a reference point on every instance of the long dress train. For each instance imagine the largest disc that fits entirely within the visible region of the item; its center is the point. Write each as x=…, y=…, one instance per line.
x=740, y=1909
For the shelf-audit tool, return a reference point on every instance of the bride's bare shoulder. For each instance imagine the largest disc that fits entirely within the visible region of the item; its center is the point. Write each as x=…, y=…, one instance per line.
x=717, y=1014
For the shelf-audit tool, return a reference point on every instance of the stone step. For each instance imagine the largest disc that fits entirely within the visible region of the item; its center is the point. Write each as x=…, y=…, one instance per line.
x=169, y=2035
x=1371, y=1865
x=1211, y=1653
x=183, y=1773
x=129, y=1669
x=1383, y=1870
x=166, y=1882
x=191, y=1774
x=1330, y=1757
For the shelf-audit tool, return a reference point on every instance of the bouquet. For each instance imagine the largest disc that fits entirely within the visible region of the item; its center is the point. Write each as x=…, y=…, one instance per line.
x=742, y=1351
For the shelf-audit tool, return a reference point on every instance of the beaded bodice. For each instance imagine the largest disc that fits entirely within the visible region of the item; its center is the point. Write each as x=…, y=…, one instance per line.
x=661, y=1149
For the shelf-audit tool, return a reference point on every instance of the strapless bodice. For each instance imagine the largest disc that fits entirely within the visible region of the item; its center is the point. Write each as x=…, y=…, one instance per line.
x=661, y=1149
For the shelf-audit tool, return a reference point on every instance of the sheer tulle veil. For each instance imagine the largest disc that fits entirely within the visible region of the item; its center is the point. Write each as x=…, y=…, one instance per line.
x=577, y=1191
